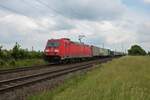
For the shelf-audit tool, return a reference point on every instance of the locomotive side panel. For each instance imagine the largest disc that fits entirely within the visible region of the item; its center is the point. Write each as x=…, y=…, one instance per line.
x=79, y=50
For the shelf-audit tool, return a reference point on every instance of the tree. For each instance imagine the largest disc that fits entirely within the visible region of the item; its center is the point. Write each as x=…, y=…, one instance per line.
x=16, y=51
x=136, y=50
x=1, y=52
x=149, y=53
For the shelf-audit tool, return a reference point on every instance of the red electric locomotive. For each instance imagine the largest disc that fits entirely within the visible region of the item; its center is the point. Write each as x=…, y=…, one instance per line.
x=63, y=49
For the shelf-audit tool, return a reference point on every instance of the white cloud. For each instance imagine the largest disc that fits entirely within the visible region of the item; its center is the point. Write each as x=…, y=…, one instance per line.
x=144, y=34
x=28, y=31
x=101, y=21
x=74, y=9
x=147, y=1
x=88, y=9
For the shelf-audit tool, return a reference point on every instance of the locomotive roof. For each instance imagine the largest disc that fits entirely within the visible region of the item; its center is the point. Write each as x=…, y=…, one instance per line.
x=71, y=41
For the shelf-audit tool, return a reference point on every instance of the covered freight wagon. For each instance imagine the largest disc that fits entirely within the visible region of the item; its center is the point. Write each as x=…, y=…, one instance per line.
x=100, y=52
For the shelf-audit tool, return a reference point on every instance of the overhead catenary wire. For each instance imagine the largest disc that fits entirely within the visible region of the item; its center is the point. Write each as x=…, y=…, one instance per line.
x=57, y=12
x=19, y=13
x=12, y=10
x=36, y=7
x=51, y=8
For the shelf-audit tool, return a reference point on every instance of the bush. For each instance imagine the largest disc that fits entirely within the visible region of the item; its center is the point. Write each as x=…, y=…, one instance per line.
x=13, y=62
x=1, y=53
x=2, y=62
x=17, y=53
x=148, y=53
x=34, y=54
x=136, y=50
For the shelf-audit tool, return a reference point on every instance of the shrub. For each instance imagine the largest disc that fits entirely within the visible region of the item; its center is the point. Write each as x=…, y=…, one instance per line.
x=136, y=50
x=13, y=62
x=2, y=62
x=149, y=53
x=17, y=53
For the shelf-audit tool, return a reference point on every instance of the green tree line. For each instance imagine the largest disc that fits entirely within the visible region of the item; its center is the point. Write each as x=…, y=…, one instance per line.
x=17, y=53
x=137, y=50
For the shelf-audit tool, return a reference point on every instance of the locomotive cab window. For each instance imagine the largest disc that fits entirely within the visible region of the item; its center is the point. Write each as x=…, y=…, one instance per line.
x=53, y=44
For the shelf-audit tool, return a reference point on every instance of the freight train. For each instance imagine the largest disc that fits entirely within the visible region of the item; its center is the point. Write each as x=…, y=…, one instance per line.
x=64, y=49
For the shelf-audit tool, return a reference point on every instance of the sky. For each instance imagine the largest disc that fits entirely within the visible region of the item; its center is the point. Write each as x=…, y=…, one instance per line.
x=114, y=24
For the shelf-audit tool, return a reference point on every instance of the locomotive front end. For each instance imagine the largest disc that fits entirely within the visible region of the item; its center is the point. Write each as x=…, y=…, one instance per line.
x=52, y=51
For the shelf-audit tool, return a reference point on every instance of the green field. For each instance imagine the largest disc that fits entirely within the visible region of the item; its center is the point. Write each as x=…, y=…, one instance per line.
x=126, y=78
x=21, y=63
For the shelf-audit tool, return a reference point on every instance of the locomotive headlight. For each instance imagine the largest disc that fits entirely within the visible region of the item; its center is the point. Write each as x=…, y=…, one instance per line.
x=47, y=50
x=56, y=50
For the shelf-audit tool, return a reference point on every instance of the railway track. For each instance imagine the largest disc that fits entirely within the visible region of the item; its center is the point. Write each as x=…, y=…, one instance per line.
x=22, y=69
x=6, y=71
x=15, y=83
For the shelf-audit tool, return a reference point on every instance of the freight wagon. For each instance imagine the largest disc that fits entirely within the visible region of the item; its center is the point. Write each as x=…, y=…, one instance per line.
x=100, y=52
x=115, y=53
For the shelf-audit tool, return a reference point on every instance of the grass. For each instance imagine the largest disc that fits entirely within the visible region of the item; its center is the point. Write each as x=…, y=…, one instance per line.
x=21, y=63
x=127, y=78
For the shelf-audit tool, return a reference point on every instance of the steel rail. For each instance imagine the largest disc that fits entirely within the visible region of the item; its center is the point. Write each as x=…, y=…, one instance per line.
x=14, y=83
x=27, y=68
x=7, y=71
x=36, y=75
x=47, y=75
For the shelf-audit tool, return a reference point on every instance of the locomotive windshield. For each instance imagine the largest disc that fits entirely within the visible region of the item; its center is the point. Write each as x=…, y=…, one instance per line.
x=53, y=44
